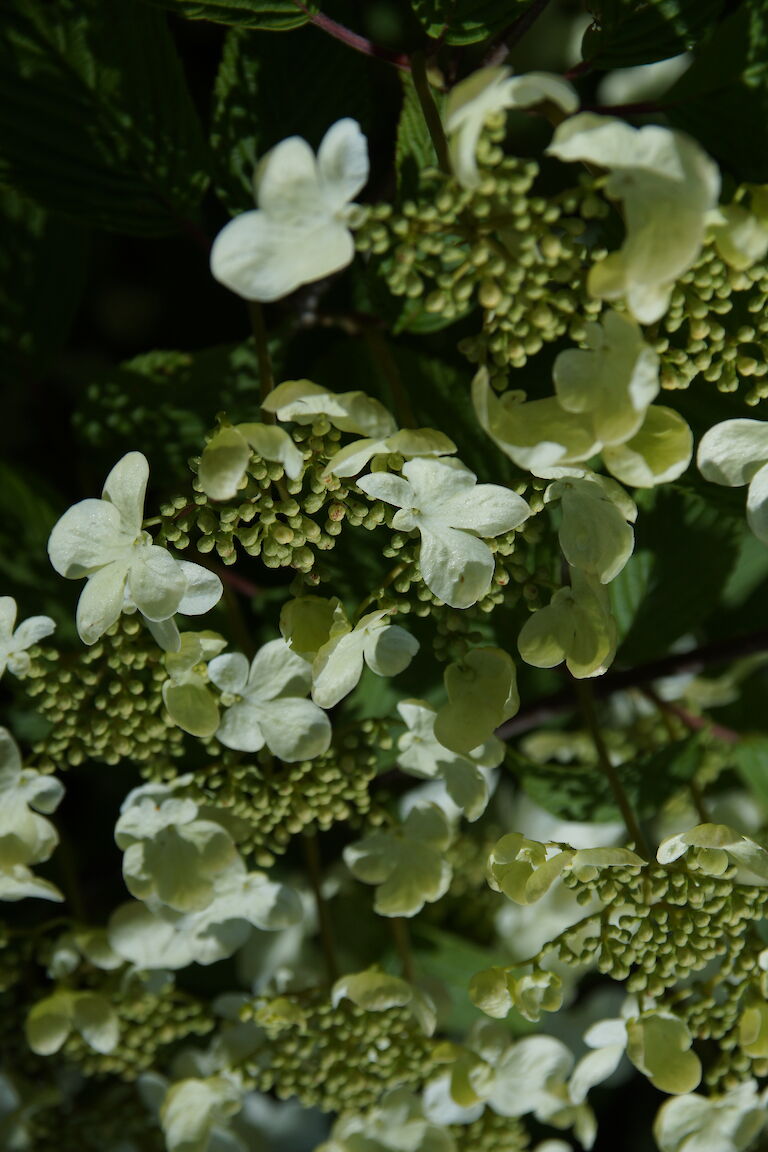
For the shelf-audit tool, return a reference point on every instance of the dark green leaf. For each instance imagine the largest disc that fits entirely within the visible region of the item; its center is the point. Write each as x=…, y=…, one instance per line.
x=582, y=793
x=722, y=99
x=163, y=403
x=414, y=150
x=694, y=542
x=266, y=15
x=627, y=591
x=467, y=21
x=95, y=117
x=750, y=757
x=44, y=258
x=627, y=33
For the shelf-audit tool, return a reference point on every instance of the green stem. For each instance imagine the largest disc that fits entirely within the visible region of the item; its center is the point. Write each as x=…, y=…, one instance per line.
x=266, y=379
x=584, y=692
x=312, y=855
x=402, y=938
x=429, y=108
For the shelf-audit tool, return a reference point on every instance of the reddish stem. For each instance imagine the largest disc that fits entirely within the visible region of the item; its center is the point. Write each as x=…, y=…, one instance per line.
x=354, y=40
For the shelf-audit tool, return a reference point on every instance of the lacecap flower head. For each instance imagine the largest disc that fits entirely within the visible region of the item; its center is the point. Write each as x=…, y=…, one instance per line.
x=299, y=232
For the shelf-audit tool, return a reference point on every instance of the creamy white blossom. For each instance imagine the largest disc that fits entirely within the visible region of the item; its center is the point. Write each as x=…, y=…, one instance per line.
x=667, y=185
x=271, y=708
x=421, y=754
x=487, y=92
x=26, y=837
x=14, y=642
x=735, y=453
x=104, y=542
x=727, y=1123
x=386, y=648
x=442, y=500
x=300, y=230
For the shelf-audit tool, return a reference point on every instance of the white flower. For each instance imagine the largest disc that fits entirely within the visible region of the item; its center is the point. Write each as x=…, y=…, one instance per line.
x=51, y=1021
x=736, y=453
x=26, y=837
x=386, y=648
x=194, y=1110
x=614, y=379
x=397, y=1124
x=657, y=1042
x=576, y=626
x=726, y=1123
x=103, y=541
x=668, y=186
x=421, y=754
x=594, y=533
x=741, y=236
x=443, y=501
x=485, y=93
x=14, y=644
x=159, y=937
x=272, y=709
x=304, y=403
x=227, y=454
x=299, y=233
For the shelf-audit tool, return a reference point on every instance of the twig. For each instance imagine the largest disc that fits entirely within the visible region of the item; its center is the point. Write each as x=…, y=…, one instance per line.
x=584, y=693
x=499, y=49
x=559, y=703
x=429, y=109
x=354, y=40
x=314, y=866
x=402, y=939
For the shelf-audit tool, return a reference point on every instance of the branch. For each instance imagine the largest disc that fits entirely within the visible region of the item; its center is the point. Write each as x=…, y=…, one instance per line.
x=354, y=40
x=500, y=47
x=694, y=662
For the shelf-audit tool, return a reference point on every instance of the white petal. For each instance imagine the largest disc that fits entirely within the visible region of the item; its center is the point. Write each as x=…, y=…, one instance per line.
x=295, y=729
x=229, y=672
x=101, y=602
x=353, y=458
x=757, y=505
x=223, y=464
x=659, y=453
x=126, y=487
x=732, y=452
x=391, y=489
x=156, y=582
x=273, y=443
x=343, y=163
x=86, y=537
x=455, y=566
x=593, y=1068
x=287, y=183
x=240, y=727
x=535, y=87
x=203, y=592
x=488, y=510
x=337, y=668
x=389, y=651
x=278, y=671
x=164, y=633
x=31, y=630
x=7, y=616
x=96, y=1021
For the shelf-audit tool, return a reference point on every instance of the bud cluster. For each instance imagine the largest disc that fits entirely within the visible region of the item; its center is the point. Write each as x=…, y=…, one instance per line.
x=104, y=702
x=334, y=1058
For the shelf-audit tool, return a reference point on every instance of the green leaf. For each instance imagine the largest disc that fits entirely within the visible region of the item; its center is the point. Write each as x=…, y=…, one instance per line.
x=466, y=21
x=163, y=403
x=254, y=109
x=627, y=590
x=95, y=117
x=44, y=258
x=582, y=793
x=694, y=542
x=750, y=757
x=414, y=150
x=628, y=33
x=722, y=99
x=266, y=15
